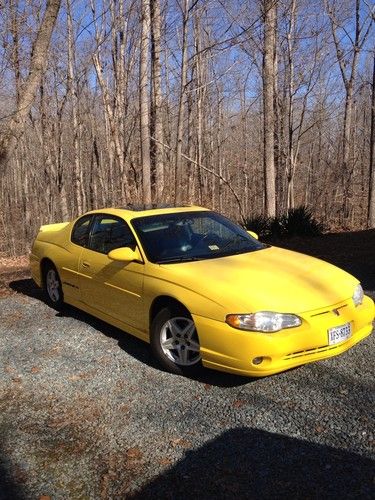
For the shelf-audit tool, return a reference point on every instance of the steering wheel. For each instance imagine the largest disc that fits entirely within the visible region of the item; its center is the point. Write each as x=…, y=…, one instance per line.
x=201, y=239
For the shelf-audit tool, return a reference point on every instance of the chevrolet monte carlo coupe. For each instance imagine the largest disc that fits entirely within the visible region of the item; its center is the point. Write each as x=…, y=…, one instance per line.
x=201, y=290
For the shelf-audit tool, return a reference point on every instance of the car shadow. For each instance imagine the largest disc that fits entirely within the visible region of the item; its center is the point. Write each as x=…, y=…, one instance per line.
x=251, y=463
x=128, y=343
x=11, y=480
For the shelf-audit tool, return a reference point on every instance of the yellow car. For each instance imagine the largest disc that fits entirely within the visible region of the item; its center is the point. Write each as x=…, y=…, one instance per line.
x=201, y=290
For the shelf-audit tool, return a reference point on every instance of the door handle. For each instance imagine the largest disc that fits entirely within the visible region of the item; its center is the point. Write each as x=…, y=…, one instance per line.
x=85, y=264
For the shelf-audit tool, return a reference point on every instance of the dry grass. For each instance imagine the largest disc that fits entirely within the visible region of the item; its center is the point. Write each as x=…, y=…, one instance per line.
x=11, y=269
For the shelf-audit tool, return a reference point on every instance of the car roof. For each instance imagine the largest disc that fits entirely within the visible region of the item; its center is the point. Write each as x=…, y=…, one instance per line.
x=131, y=213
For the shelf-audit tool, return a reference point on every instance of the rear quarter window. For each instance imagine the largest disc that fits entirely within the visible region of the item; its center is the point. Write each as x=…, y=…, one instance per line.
x=80, y=232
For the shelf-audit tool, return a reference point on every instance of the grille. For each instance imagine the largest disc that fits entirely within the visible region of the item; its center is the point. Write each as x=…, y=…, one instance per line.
x=329, y=311
x=308, y=352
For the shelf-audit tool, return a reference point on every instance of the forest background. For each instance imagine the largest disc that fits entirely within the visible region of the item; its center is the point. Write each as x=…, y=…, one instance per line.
x=248, y=107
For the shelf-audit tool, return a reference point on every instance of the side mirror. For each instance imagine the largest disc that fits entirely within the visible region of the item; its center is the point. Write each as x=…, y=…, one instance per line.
x=254, y=235
x=124, y=254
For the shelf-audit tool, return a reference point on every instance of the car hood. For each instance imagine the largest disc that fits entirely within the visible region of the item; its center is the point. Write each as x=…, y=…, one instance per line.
x=272, y=279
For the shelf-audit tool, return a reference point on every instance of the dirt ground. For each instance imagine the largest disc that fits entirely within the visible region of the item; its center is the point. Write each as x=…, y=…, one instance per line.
x=11, y=269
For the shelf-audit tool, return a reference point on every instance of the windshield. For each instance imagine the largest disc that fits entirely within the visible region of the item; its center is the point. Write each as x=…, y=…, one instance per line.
x=188, y=236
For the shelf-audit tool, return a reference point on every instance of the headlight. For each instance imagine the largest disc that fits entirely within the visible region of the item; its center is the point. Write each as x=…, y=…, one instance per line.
x=263, y=321
x=358, y=295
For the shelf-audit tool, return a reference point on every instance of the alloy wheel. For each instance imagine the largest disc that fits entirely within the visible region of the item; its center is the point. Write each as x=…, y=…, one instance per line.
x=53, y=285
x=179, y=341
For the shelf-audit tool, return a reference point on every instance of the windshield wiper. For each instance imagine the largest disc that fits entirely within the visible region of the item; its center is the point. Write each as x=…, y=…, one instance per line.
x=182, y=258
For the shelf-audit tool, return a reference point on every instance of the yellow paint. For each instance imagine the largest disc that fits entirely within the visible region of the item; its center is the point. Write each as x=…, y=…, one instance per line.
x=271, y=279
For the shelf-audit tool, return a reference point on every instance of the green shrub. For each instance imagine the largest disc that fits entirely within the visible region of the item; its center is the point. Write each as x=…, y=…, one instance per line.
x=301, y=222
x=297, y=222
x=260, y=225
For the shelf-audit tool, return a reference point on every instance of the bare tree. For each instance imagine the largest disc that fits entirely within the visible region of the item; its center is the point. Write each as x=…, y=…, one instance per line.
x=347, y=58
x=12, y=129
x=144, y=103
x=156, y=100
x=301, y=77
x=371, y=197
x=269, y=42
x=72, y=95
x=185, y=10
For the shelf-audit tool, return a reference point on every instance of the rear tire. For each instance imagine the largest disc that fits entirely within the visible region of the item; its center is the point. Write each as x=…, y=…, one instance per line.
x=174, y=341
x=52, y=287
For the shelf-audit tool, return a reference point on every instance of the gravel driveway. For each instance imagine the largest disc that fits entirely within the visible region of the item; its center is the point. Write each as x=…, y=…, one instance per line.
x=86, y=414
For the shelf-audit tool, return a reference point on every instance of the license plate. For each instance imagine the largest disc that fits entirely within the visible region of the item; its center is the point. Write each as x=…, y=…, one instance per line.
x=339, y=333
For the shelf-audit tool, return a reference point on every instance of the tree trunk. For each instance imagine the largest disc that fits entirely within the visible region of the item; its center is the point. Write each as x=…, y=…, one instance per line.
x=199, y=102
x=181, y=106
x=157, y=148
x=268, y=106
x=291, y=153
x=119, y=30
x=72, y=94
x=371, y=196
x=12, y=130
x=144, y=104
x=61, y=189
x=16, y=48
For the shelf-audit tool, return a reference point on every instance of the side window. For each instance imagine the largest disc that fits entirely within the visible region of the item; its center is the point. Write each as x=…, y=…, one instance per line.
x=80, y=233
x=109, y=233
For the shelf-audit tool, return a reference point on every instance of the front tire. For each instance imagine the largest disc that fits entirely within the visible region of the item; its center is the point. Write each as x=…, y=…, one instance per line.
x=52, y=287
x=174, y=341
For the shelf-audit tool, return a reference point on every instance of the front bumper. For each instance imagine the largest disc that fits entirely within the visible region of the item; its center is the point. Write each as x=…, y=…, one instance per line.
x=227, y=349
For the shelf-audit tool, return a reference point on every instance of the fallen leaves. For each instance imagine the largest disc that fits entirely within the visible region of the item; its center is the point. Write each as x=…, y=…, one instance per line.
x=52, y=352
x=165, y=461
x=81, y=412
x=9, y=263
x=82, y=376
x=238, y=403
x=134, y=453
x=12, y=268
x=181, y=443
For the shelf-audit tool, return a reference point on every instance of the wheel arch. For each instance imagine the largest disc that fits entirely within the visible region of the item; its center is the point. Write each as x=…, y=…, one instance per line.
x=163, y=301
x=46, y=261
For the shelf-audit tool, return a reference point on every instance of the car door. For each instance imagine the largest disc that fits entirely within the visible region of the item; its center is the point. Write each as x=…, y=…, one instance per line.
x=70, y=262
x=114, y=288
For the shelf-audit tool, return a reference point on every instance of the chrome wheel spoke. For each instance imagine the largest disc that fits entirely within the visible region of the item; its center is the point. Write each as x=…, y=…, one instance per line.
x=183, y=355
x=189, y=330
x=168, y=344
x=193, y=346
x=174, y=329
